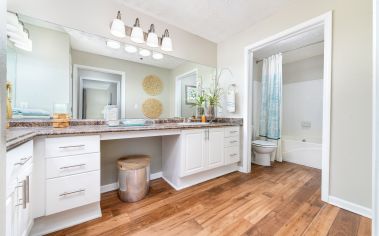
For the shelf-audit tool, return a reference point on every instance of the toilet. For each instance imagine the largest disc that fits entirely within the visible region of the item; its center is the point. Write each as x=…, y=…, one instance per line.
x=262, y=152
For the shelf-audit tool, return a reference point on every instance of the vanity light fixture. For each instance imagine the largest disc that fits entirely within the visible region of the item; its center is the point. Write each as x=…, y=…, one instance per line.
x=137, y=33
x=118, y=26
x=152, y=37
x=144, y=52
x=130, y=48
x=113, y=44
x=17, y=33
x=166, y=42
x=157, y=55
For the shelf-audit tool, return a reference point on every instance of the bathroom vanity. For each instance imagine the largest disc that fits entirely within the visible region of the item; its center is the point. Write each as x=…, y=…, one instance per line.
x=53, y=175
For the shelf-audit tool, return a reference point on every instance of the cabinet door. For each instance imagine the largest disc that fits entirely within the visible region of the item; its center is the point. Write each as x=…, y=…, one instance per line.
x=11, y=224
x=193, y=151
x=215, y=148
x=23, y=208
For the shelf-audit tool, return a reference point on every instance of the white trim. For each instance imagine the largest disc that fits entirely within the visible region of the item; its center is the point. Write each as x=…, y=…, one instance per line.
x=349, y=206
x=178, y=85
x=75, y=86
x=375, y=120
x=114, y=186
x=326, y=21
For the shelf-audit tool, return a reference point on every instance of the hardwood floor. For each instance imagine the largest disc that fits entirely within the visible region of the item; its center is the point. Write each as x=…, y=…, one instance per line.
x=279, y=200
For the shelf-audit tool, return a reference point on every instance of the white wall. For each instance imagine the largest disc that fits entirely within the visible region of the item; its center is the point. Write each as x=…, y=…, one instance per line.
x=135, y=73
x=350, y=157
x=94, y=16
x=302, y=102
x=43, y=70
x=302, y=98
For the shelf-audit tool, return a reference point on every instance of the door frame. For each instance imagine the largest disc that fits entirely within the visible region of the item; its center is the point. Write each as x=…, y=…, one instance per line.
x=118, y=84
x=178, y=88
x=326, y=21
x=75, y=80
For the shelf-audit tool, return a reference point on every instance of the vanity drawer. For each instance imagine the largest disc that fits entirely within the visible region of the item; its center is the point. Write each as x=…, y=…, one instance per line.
x=232, y=131
x=74, y=145
x=231, y=141
x=17, y=158
x=69, y=165
x=232, y=154
x=72, y=191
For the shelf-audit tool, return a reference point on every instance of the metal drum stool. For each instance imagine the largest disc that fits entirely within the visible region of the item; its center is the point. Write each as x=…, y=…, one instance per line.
x=133, y=177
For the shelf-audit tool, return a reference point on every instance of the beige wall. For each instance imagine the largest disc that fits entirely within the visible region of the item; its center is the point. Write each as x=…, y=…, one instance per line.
x=134, y=73
x=350, y=164
x=94, y=16
x=112, y=150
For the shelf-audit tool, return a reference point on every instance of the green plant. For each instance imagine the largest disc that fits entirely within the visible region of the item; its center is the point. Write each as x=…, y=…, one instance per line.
x=200, y=100
x=214, y=96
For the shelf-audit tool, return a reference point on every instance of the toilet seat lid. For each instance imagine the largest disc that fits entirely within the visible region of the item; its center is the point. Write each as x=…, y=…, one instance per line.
x=264, y=143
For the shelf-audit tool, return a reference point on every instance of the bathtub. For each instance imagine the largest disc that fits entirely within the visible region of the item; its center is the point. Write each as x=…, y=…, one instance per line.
x=303, y=151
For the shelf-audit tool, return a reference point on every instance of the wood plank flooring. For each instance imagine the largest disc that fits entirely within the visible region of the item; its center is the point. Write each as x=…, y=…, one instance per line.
x=280, y=200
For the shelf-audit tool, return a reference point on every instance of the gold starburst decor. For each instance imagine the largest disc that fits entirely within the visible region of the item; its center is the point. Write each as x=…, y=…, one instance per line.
x=152, y=85
x=152, y=108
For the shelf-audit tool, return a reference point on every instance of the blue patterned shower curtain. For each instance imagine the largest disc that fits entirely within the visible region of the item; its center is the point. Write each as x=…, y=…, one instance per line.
x=271, y=101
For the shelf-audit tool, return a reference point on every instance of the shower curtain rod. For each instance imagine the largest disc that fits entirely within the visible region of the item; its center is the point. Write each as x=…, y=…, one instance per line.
x=311, y=44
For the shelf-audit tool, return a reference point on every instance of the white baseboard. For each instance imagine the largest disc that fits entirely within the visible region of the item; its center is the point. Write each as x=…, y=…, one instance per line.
x=114, y=186
x=349, y=206
x=51, y=223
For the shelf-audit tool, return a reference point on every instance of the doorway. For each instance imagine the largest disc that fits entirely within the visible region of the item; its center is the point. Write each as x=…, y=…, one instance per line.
x=324, y=21
x=185, y=87
x=93, y=88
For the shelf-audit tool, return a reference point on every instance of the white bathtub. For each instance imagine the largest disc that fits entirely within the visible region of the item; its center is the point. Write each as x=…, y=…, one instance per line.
x=303, y=151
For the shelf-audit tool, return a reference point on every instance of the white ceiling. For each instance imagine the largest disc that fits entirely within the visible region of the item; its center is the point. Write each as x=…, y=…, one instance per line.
x=215, y=20
x=298, y=47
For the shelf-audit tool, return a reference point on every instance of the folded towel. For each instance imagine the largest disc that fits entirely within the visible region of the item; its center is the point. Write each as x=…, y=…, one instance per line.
x=30, y=112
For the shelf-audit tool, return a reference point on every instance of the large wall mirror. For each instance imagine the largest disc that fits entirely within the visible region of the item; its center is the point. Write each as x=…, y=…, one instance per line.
x=88, y=72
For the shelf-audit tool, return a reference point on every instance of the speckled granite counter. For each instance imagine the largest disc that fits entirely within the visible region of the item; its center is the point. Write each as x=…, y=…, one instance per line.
x=19, y=135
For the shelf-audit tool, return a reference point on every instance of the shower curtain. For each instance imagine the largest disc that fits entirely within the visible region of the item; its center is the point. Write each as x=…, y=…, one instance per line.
x=271, y=103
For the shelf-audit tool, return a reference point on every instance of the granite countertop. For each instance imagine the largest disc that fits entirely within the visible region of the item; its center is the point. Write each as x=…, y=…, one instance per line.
x=18, y=135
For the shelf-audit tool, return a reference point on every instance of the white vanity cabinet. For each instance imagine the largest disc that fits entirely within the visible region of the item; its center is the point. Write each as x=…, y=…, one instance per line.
x=72, y=172
x=198, y=155
x=202, y=149
x=19, y=171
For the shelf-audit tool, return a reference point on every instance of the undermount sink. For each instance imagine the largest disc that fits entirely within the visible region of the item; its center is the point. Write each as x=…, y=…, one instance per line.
x=193, y=123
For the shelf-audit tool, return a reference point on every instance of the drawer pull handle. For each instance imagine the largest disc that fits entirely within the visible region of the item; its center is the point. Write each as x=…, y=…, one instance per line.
x=233, y=155
x=23, y=161
x=234, y=141
x=73, y=192
x=73, y=166
x=27, y=189
x=23, y=200
x=233, y=132
x=73, y=146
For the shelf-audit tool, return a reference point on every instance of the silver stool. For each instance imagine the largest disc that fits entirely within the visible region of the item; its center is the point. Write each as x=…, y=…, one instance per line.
x=133, y=177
